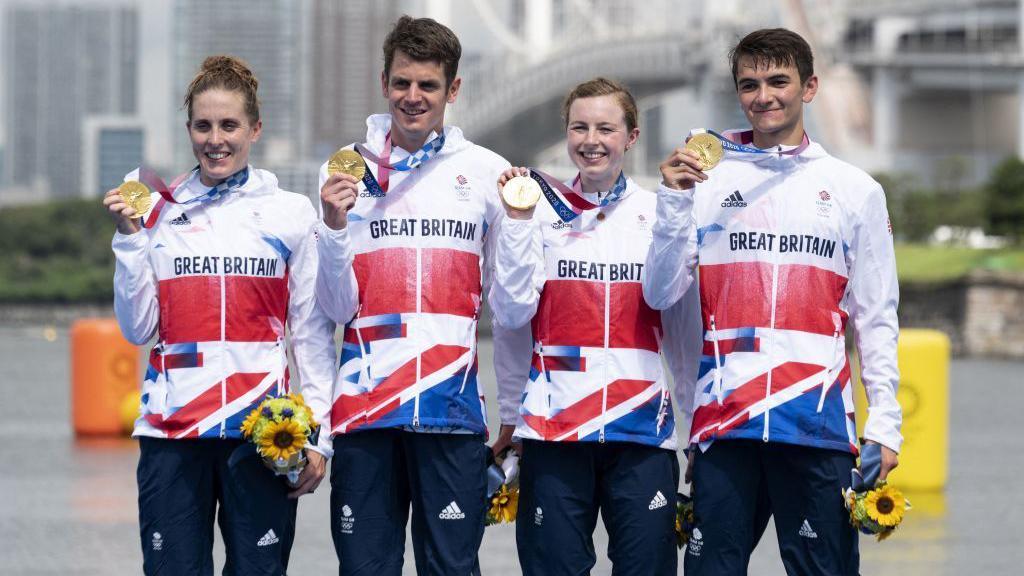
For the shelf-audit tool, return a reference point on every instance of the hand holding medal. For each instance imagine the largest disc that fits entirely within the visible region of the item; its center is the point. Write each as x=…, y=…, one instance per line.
x=339, y=193
x=129, y=203
x=519, y=193
x=685, y=167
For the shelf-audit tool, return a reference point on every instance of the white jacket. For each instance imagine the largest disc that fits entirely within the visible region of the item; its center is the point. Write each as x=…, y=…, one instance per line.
x=218, y=283
x=406, y=277
x=596, y=372
x=787, y=248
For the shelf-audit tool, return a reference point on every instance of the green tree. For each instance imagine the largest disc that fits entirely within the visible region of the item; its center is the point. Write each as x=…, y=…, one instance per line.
x=1004, y=200
x=56, y=252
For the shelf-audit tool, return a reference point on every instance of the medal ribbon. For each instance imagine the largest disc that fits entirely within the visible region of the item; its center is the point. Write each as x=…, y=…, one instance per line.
x=747, y=138
x=548, y=185
x=384, y=165
x=148, y=177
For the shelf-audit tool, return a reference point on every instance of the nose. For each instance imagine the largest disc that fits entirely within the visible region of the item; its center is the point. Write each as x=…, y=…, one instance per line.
x=591, y=137
x=216, y=136
x=763, y=95
x=415, y=94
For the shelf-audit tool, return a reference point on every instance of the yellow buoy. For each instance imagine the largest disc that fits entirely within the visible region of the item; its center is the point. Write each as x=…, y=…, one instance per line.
x=923, y=395
x=129, y=410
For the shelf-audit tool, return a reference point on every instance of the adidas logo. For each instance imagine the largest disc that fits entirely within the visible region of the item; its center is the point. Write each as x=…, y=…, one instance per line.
x=451, y=512
x=561, y=224
x=268, y=538
x=806, y=531
x=735, y=200
x=658, y=501
x=181, y=220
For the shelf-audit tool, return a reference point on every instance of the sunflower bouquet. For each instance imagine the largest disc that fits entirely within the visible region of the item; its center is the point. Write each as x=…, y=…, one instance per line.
x=685, y=519
x=503, y=487
x=878, y=511
x=279, y=428
x=875, y=507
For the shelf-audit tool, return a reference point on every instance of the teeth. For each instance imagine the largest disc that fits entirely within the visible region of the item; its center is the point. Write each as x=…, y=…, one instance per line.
x=216, y=155
x=592, y=155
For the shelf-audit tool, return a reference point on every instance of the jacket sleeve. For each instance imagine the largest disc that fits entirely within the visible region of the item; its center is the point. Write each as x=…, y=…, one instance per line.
x=337, y=290
x=312, y=332
x=682, y=349
x=672, y=257
x=518, y=272
x=873, y=297
x=135, y=287
x=513, y=350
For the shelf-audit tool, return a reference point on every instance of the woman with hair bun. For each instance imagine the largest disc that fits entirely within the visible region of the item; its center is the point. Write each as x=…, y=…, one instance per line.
x=219, y=269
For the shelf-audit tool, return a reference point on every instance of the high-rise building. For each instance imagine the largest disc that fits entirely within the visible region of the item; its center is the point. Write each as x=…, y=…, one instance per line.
x=112, y=146
x=346, y=56
x=267, y=35
x=62, y=63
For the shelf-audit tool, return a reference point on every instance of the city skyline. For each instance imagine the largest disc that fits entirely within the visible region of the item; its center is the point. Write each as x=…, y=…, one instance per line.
x=318, y=62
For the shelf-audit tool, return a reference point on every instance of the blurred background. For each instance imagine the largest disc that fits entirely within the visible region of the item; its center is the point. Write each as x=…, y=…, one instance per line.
x=926, y=95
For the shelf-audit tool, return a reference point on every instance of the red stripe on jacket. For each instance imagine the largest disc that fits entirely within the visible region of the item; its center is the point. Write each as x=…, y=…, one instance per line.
x=387, y=281
x=739, y=295
x=190, y=308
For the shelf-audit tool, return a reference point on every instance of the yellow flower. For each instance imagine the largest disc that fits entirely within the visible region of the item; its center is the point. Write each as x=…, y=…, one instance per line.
x=504, y=504
x=281, y=440
x=249, y=422
x=885, y=505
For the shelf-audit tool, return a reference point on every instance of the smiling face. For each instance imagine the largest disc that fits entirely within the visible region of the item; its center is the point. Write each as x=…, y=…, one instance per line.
x=598, y=138
x=417, y=95
x=221, y=134
x=772, y=98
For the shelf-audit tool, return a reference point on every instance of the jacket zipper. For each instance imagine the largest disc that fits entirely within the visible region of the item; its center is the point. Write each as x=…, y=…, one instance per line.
x=419, y=356
x=771, y=361
x=604, y=388
x=716, y=388
x=223, y=347
x=827, y=382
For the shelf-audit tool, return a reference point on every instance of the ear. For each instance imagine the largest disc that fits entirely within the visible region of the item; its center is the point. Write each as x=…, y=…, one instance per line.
x=453, y=90
x=384, y=84
x=256, y=131
x=634, y=135
x=810, y=89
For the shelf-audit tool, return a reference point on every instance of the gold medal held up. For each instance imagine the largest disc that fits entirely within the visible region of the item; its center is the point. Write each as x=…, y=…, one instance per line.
x=347, y=161
x=136, y=195
x=521, y=192
x=708, y=148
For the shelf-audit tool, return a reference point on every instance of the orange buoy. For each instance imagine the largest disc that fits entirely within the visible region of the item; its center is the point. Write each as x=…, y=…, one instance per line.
x=104, y=370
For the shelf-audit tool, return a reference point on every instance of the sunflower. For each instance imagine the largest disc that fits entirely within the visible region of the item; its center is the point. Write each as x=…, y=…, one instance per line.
x=249, y=422
x=504, y=505
x=885, y=505
x=281, y=440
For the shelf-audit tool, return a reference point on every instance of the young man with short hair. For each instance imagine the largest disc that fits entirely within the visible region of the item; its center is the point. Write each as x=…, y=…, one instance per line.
x=789, y=243
x=400, y=251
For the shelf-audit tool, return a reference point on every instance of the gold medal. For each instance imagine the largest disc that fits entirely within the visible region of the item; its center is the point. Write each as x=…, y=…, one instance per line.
x=708, y=148
x=137, y=196
x=521, y=192
x=347, y=161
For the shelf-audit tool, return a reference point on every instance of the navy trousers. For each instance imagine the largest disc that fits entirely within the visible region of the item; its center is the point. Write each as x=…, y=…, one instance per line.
x=564, y=484
x=739, y=484
x=377, y=475
x=185, y=484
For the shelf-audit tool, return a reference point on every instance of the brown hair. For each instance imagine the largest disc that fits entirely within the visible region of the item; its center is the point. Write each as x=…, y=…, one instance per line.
x=231, y=74
x=424, y=39
x=774, y=47
x=603, y=87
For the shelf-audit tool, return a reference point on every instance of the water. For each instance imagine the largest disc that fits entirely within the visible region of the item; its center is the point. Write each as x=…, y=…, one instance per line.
x=69, y=507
